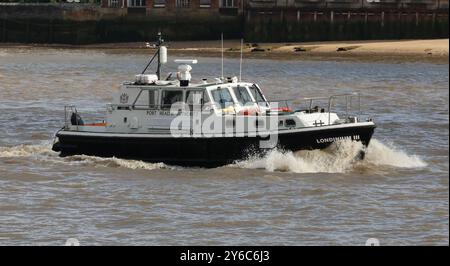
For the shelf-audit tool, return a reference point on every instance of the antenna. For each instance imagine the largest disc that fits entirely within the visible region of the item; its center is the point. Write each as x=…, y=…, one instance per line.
x=161, y=58
x=240, y=62
x=221, y=38
x=158, y=44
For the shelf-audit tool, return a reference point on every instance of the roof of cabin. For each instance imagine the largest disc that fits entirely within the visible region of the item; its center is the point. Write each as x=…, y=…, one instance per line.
x=175, y=84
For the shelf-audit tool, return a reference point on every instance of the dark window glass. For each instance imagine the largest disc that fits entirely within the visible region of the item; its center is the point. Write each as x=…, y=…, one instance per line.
x=152, y=99
x=257, y=95
x=183, y=3
x=194, y=98
x=222, y=96
x=242, y=95
x=171, y=97
x=142, y=101
x=227, y=3
x=147, y=99
x=136, y=3
x=290, y=123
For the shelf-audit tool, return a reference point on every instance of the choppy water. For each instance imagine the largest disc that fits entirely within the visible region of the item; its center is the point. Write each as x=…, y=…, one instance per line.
x=398, y=194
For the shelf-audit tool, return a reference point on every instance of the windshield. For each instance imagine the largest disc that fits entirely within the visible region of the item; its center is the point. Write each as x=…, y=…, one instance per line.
x=242, y=95
x=222, y=96
x=257, y=95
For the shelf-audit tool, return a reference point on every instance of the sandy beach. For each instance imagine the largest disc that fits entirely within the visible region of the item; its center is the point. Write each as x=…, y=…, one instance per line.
x=437, y=49
x=410, y=50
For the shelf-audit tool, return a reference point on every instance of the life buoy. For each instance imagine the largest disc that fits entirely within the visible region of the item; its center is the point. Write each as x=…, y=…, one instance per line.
x=250, y=111
x=282, y=109
x=228, y=110
x=100, y=124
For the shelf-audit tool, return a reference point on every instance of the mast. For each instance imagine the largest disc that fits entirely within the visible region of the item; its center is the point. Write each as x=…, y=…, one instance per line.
x=240, y=62
x=221, y=43
x=158, y=45
x=159, y=42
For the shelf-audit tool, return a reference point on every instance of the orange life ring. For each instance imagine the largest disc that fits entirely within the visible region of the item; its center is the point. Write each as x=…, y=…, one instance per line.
x=250, y=111
x=101, y=124
x=282, y=109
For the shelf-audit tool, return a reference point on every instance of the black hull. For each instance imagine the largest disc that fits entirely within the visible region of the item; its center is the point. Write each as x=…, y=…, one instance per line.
x=205, y=152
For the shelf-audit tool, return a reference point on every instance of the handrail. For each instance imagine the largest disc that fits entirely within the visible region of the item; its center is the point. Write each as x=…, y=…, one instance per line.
x=348, y=102
x=190, y=107
x=327, y=97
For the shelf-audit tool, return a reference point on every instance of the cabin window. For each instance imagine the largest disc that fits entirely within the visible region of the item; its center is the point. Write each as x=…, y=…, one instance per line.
x=142, y=100
x=242, y=95
x=258, y=96
x=222, y=96
x=290, y=123
x=205, y=97
x=194, y=98
x=153, y=99
x=147, y=99
x=170, y=97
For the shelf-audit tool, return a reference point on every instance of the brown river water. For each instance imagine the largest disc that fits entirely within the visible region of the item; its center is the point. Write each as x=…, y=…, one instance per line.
x=399, y=194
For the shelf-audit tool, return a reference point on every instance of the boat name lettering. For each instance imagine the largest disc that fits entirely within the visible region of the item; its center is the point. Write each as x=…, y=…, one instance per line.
x=333, y=139
x=165, y=113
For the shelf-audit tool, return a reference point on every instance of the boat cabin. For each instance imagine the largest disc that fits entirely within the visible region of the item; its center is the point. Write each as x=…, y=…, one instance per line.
x=150, y=104
x=159, y=103
x=223, y=98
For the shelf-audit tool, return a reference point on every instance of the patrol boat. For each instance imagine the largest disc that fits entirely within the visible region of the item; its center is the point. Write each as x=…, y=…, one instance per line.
x=209, y=123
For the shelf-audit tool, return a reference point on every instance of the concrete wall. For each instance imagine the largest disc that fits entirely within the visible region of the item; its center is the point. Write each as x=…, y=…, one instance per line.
x=324, y=20
x=86, y=24
x=58, y=11
x=255, y=20
x=350, y=4
x=296, y=25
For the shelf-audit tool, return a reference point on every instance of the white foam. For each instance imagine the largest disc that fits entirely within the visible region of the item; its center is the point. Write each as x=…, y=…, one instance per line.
x=25, y=150
x=43, y=152
x=381, y=154
x=338, y=158
x=114, y=162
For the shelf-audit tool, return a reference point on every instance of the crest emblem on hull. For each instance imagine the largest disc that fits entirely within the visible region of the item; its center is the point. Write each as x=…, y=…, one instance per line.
x=124, y=98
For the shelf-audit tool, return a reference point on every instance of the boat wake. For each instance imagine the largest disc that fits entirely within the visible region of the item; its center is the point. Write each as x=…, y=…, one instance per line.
x=43, y=152
x=340, y=157
x=114, y=162
x=23, y=150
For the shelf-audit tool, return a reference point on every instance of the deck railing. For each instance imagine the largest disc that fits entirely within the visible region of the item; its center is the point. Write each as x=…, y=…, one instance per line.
x=349, y=99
